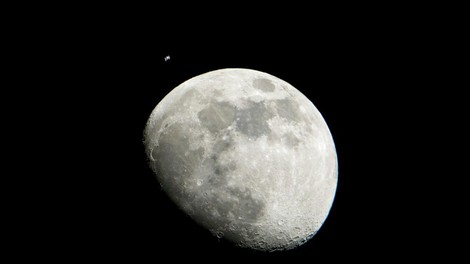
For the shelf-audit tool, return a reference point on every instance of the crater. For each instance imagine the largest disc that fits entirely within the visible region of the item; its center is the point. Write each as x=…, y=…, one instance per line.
x=264, y=85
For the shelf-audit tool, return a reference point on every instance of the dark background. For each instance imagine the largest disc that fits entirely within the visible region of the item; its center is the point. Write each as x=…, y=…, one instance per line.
x=371, y=75
x=351, y=79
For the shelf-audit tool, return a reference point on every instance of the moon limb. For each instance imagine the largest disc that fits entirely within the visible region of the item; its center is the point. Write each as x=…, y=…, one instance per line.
x=246, y=155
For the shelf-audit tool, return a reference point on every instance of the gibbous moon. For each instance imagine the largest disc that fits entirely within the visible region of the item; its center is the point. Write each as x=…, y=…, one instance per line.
x=246, y=155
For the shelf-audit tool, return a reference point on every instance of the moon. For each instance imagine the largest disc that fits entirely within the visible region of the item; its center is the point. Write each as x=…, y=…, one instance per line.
x=246, y=155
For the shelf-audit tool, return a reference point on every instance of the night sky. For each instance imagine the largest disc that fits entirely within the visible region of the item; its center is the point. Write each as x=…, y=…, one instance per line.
x=352, y=87
x=362, y=74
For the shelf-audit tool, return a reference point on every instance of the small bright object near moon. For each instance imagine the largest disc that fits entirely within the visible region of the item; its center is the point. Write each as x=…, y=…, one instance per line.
x=246, y=155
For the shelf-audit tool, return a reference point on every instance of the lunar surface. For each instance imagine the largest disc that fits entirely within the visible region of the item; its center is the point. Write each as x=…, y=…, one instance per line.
x=246, y=155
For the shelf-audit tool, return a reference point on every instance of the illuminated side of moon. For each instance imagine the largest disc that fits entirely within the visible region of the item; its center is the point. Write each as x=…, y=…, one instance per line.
x=246, y=155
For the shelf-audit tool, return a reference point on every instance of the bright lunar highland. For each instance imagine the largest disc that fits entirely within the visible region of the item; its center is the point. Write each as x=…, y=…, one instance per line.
x=246, y=155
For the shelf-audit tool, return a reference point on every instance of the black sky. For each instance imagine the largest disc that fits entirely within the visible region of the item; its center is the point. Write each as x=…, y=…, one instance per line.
x=364, y=74
x=350, y=79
